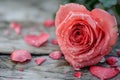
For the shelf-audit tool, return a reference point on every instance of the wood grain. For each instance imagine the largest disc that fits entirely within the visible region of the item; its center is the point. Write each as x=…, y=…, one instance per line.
x=11, y=42
x=31, y=15
x=49, y=70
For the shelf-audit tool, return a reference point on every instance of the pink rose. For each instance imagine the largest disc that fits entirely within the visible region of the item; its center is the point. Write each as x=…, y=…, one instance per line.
x=85, y=36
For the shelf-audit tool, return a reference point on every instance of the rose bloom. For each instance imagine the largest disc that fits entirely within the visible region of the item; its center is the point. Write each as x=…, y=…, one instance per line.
x=84, y=36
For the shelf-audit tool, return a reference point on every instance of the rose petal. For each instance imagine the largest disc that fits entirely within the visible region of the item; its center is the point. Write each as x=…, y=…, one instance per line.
x=77, y=74
x=20, y=55
x=49, y=23
x=103, y=72
x=118, y=53
x=43, y=37
x=82, y=36
x=64, y=11
x=32, y=40
x=111, y=60
x=37, y=40
x=16, y=26
x=21, y=69
x=55, y=55
x=54, y=41
x=39, y=61
x=107, y=22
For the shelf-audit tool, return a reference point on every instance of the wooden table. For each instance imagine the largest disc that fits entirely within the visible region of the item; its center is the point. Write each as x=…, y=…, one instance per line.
x=50, y=69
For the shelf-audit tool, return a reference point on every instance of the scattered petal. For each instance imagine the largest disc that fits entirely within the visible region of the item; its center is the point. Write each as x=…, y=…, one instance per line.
x=118, y=53
x=111, y=60
x=118, y=68
x=77, y=74
x=103, y=72
x=20, y=55
x=16, y=26
x=55, y=55
x=64, y=72
x=49, y=23
x=37, y=40
x=7, y=32
x=32, y=29
x=21, y=69
x=103, y=60
x=54, y=41
x=39, y=61
x=20, y=77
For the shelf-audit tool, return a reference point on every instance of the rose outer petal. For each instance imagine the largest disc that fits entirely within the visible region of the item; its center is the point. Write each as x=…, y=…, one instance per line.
x=16, y=26
x=107, y=22
x=64, y=10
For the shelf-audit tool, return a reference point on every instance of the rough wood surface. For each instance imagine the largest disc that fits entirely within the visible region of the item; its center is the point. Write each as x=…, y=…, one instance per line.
x=9, y=43
x=31, y=14
x=49, y=70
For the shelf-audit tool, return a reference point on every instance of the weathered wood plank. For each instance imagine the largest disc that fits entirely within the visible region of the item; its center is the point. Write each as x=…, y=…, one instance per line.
x=30, y=13
x=11, y=42
x=49, y=70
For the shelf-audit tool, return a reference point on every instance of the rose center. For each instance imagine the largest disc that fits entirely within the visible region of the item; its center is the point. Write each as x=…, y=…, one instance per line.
x=79, y=35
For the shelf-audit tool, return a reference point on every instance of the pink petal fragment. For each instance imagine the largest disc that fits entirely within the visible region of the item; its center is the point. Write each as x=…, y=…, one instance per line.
x=43, y=37
x=39, y=61
x=37, y=40
x=118, y=53
x=7, y=32
x=32, y=40
x=103, y=72
x=49, y=23
x=55, y=55
x=21, y=69
x=112, y=60
x=65, y=72
x=54, y=41
x=20, y=55
x=77, y=74
x=16, y=26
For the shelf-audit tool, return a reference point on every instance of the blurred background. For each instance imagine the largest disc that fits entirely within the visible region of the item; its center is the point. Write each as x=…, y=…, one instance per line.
x=39, y=10
x=112, y=6
x=27, y=10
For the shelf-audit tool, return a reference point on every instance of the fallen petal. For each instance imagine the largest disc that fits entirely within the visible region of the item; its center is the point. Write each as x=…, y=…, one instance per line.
x=21, y=69
x=55, y=55
x=49, y=23
x=77, y=74
x=20, y=55
x=39, y=61
x=36, y=40
x=54, y=41
x=103, y=72
x=111, y=60
x=16, y=26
